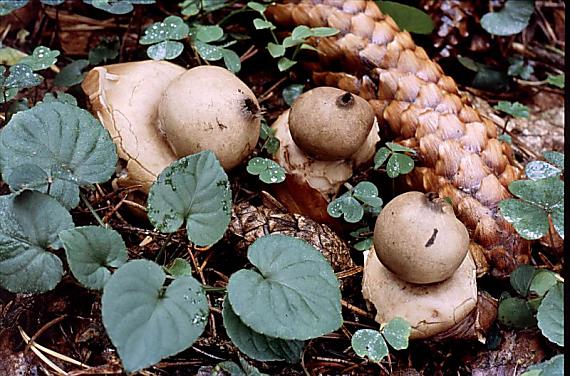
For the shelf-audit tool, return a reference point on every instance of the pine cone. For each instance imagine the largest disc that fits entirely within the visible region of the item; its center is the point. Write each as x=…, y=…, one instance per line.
x=418, y=106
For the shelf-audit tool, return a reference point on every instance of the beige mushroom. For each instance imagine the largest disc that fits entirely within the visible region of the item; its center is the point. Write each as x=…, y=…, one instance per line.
x=127, y=98
x=418, y=238
x=430, y=309
x=337, y=127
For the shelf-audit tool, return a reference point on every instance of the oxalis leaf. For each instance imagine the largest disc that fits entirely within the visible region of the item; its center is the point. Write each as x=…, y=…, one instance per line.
x=66, y=142
x=148, y=321
x=397, y=333
x=41, y=58
x=369, y=343
x=521, y=278
x=269, y=171
x=407, y=17
x=516, y=313
x=535, y=170
x=550, y=315
x=91, y=251
x=530, y=221
x=194, y=189
x=259, y=346
x=29, y=224
x=294, y=294
x=346, y=206
x=510, y=20
x=546, y=193
x=172, y=28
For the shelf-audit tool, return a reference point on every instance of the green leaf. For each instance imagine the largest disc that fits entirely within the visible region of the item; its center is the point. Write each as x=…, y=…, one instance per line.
x=557, y=217
x=166, y=50
x=397, y=333
x=71, y=74
x=260, y=8
x=190, y=7
x=226, y=367
x=514, y=109
x=284, y=64
x=510, y=20
x=364, y=245
x=209, y=52
x=324, y=31
x=519, y=68
x=61, y=97
x=399, y=164
x=369, y=343
x=269, y=171
x=290, y=42
x=107, y=49
x=65, y=141
x=552, y=367
x=407, y=17
x=367, y=193
x=6, y=7
x=294, y=296
x=172, y=28
x=546, y=193
x=305, y=46
x=346, y=206
x=469, y=63
x=148, y=321
x=91, y=251
x=557, y=80
x=231, y=60
x=261, y=24
x=256, y=345
x=292, y=92
x=301, y=32
x=506, y=139
x=381, y=156
x=194, y=189
x=490, y=79
x=521, y=279
x=272, y=145
x=21, y=77
x=535, y=170
x=209, y=33
x=275, y=50
x=542, y=282
x=112, y=6
x=555, y=158
x=515, y=313
x=179, y=268
x=29, y=224
x=397, y=148
x=41, y=58
x=528, y=220
x=550, y=315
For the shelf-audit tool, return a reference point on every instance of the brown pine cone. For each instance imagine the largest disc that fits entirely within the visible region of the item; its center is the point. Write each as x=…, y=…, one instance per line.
x=418, y=106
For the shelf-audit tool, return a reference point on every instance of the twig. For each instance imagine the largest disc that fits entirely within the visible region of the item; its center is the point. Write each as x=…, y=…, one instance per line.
x=86, y=202
x=42, y=330
x=355, y=309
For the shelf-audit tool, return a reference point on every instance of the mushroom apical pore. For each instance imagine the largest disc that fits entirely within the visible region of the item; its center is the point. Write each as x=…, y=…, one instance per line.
x=418, y=238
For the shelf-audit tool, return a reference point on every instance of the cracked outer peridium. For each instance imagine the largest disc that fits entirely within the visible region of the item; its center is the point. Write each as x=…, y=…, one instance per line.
x=125, y=99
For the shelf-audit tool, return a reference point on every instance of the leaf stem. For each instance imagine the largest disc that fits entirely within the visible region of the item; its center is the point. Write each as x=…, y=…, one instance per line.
x=163, y=247
x=213, y=289
x=93, y=212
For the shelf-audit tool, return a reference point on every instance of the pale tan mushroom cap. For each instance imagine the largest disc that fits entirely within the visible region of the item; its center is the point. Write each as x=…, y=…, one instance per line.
x=125, y=98
x=324, y=176
x=430, y=309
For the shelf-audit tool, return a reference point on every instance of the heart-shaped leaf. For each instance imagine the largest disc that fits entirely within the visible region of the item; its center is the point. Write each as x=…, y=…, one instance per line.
x=510, y=20
x=295, y=295
x=208, y=51
x=107, y=49
x=269, y=171
x=348, y=206
x=275, y=50
x=407, y=17
x=21, y=76
x=557, y=216
x=516, y=313
x=550, y=315
x=381, y=156
x=369, y=343
x=209, y=33
x=148, y=321
x=261, y=24
x=397, y=148
x=535, y=170
x=551, y=367
x=258, y=7
x=284, y=64
x=72, y=74
x=194, y=189
x=68, y=143
x=301, y=32
x=555, y=158
x=397, y=333
x=29, y=224
x=542, y=282
x=166, y=50
x=172, y=28
x=367, y=193
x=259, y=346
x=322, y=32
x=117, y=6
x=546, y=193
x=529, y=221
x=399, y=164
x=91, y=251
x=41, y=58
x=179, y=267
x=231, y=60
x=521, y=278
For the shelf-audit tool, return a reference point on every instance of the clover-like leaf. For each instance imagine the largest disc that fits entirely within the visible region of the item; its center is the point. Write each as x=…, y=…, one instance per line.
x=71, y=74
x=269, y=171
x=117, y=6
x=194, y=189
x=397, y=148
x=208, y=51
x=556, y=80
x=519, y=68
x=542, y=281
x=166, y=50
x=510, y=20
x=521, y=278
x=209, y=33
x=301, y=32
x=535, y=170
x=529, y=221
x=322, y=32
x=258, y=346
x=294, y=295
x=107, y=49
x=397, y=333
x=275, y=50
x=148, y=321
x=367, y=192
x=65, y=141
x=258, y=7
x=399, y=164
x=91, y=251
x=29, y=224
x=550, y=315
x=172, y=28
x=516, y=313
x=346, y=206
x=546, y=193
x=381, y=156
x=369, y=343
x=260, y=24
x=292, y=92
x=407, y=17
x=514, y=109
x=20, y=76
x=364, y=245
x=179, y=267
x=41, y=58
x=231, y=60
x=284, y=64
x=555, y=158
